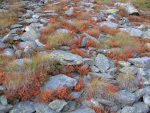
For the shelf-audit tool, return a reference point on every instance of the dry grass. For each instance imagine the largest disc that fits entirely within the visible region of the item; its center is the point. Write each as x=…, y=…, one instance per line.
x=7, y=18
x=54, y=40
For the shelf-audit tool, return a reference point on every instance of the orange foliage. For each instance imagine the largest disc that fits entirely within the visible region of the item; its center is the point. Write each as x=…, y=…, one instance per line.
x=78, y=51
x=75, y=43
x=108, y=30
x=90, y=42
x=111, y=88
x=97, y=109
x=83, y=69
x=79, y=85
x=2, y=77
x=135, y=18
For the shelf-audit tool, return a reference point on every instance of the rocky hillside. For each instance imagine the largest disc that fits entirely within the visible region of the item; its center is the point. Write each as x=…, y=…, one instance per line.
x=75, y=56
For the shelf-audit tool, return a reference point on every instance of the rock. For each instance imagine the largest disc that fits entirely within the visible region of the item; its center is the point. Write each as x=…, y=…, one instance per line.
x=147, y=90
x=112, y=11
x=146, y=34
x=108, y=24
x=130, y=9
x=128, y=109
x=101, y=75
x=60, y=80
x=102, y=62
x=3, y=100
x=30, y=34
x=106, y=102
x=129, y=70
x=2, y=45
x=61, y=30
x=146, y=99
x=57, y=105
x=147, y=45
x=18, y=53
x=140, y=107
x=133, y=31
x=125, y=97
x=65, y=57
x=5, y=109
x=143, y=62
x=139, y=93
x=28, y=51
x=86, y=38
x=24, y=107
x=25, y=44
x=83, y=110
x=16, y=26
x=76, y=95
x=94, y=69
x=124, y=64
x=8, y=52
x=39, y=44
x=2, y=88
x=71, y=106
x=42, y=108
x=69, y=12
x=7, y=38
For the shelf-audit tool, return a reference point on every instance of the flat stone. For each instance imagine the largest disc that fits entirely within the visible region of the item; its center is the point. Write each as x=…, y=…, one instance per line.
x=57, y=105
x=5, y=109
x=23, y=107
x=66, y=58
x=108, y=24
x=143, y=62
x=71, y=106
x=60, y=80
x=3, y=100
x=102, y=62
x=146, y=34
x=133, y=31
x=125, y=97
x=83, y=110
x=16, y=26
x=124, y=64
x=140, y=107
x=25, y=44
x=128, y=109
x=43, y=108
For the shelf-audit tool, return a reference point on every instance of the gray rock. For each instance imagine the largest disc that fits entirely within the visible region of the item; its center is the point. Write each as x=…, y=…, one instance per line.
x=24, y=107
x=133, y=31
x=101, y=75
x=128, y=109
x=57, y=105
x=102, y=62
x=16, y=26
x=106, y=102
x=3, y=100
x=143, y=62
x=124, y=64
x=146, y=34
x=140, y=107
x=60, y=80
x=71, y=106
x=9, y=52
x=112, y=71
x=108, y=24
x=5, y=109
x=42, y=108
x=125, y=97
x=25, y=44
x=130, y=9
x=139, y=94
x=2, y=88
x=65, y=57
x=83, y=110
x=94, y=69
x=7, y=38
x=18, y=53
x=30, y=34
x=146, y=99
x=69, y=12
x=76, y=95
x=2, y=45
x=61, y=30
x=131, y=70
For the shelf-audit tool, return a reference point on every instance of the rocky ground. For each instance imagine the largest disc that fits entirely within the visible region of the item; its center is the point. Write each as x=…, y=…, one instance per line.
x=74, y=56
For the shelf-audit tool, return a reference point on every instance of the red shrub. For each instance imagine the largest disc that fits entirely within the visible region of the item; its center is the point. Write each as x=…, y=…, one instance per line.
x=78, y=51
x=79, y=85
x=83, y=69
x=108, y=30
x=97, y=109
x=111, y=88
x=2, y=77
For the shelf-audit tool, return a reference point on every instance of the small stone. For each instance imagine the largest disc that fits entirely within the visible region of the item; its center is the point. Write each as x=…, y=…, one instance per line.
x=102, y=62
x=69, y=12
x=128, y=109
x=3, y=100
x=124, y=64
x=57, y=105
x=125, y=97
x=108, y=24
x=146, y=99
x=31, y=44
x=140, y=107
x=60, y=80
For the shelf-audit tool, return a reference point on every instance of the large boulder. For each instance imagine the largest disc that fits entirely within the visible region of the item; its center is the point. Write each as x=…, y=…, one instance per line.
x=65, y=57
x=60, y=80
